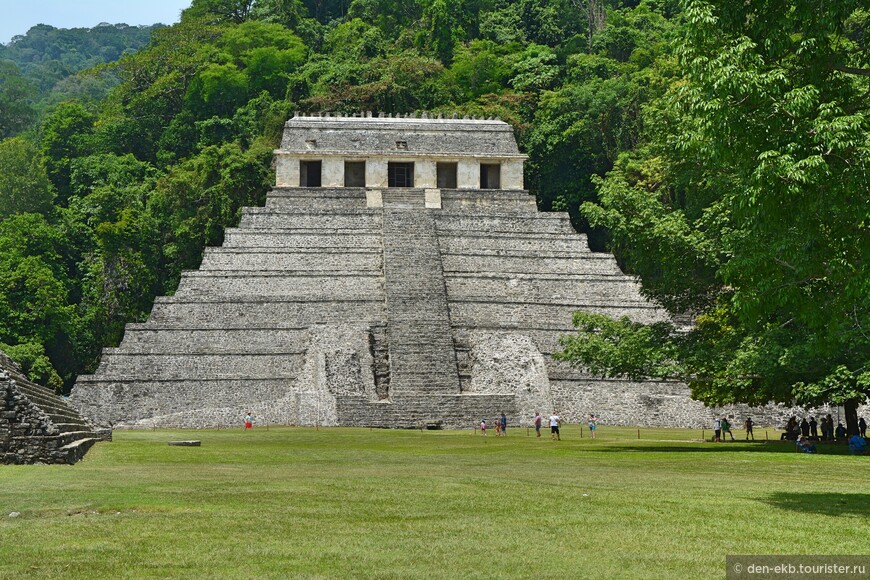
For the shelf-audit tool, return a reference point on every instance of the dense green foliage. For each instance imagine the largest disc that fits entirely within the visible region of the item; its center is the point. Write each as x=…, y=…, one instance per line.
x=356, y=503
x=122, y=193
x=748, y=205
x=44, y=64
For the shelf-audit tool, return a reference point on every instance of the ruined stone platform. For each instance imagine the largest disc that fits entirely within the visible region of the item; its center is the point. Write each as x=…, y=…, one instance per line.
x=36, y=425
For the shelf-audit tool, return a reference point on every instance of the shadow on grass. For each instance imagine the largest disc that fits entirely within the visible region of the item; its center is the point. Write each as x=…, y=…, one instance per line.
x=699, y=448
x=830, y=504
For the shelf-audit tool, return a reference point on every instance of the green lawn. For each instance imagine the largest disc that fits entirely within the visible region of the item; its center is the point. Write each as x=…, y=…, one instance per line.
x=432, y=504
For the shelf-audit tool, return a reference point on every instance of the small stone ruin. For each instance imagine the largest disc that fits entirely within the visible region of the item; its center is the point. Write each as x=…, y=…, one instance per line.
x=36, y=425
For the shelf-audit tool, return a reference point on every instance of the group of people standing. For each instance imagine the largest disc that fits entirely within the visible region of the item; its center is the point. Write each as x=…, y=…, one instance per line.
x=811, y=428
x=722, y=427
x=555, y=424
x=500, y=426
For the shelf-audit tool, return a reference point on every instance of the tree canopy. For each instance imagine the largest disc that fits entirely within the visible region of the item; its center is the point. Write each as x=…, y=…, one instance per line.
x=747, y=206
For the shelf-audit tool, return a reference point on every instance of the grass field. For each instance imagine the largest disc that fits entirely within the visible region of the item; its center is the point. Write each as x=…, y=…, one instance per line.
x=435, y=504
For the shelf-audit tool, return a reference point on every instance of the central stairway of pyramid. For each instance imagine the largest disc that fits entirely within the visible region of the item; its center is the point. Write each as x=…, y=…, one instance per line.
x=382, y=304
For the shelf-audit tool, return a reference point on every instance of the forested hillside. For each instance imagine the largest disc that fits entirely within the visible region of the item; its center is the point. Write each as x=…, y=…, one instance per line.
x=693, y=135
x=39, y=69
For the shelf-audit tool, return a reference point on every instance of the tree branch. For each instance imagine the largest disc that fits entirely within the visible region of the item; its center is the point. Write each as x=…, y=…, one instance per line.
x=852, y=70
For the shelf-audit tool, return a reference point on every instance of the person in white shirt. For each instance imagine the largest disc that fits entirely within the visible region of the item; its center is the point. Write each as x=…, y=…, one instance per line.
x=555, y=422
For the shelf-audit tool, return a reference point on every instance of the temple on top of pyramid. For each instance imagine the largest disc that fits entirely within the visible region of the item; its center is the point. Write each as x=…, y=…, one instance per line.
x=378, y=152
x=398, y=276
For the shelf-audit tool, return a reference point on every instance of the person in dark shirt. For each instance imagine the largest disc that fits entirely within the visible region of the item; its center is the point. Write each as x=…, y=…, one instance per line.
x=862, y=427
x=814, y=428
x=805, y=427
x=841, y=432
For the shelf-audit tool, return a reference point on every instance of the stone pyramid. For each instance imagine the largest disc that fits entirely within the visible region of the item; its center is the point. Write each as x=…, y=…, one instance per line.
x=398, y=276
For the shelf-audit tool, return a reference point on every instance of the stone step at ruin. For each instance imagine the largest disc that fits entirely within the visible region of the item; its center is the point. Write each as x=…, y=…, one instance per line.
x=56, y=441
x=545, y=339
x=507, y=224
x=320, y=198
x=595, y=267
x=48, y=402
x=236, y=238
x=53, y=406
x=472, y=313
x=455, y=243
x=486, y=202
x=67, y=424
x=295, y=218
x=171, y=366
x=309, y=260
x=36, y=425
x=525, y=288
x=404, y=198
x=170, y=312
x=150, y=338
x=291, y=285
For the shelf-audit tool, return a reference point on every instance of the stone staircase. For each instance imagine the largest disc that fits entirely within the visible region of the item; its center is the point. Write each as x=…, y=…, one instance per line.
x=422, y=357
x=37, y=426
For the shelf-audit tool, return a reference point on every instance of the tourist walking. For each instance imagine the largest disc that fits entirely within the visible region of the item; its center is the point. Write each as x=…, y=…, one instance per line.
x=814, y=428
x=537, y=424
x=555, y=422
x=748, y=426
x=503, y=425
x=483, y=427
x=249, y=421
x=592, y=425
x=717, y=429
x=862, y=427
x=830, y=427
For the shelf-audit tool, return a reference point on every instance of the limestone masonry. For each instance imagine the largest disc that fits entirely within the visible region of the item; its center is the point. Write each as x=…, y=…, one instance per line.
x=398, y=276
x=37, y=426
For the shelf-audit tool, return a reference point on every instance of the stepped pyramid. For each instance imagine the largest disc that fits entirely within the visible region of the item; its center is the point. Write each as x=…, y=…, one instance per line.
x=37, y=426
x=398, y=276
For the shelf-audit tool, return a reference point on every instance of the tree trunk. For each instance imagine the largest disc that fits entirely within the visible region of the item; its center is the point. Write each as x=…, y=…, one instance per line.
x=850, y=408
